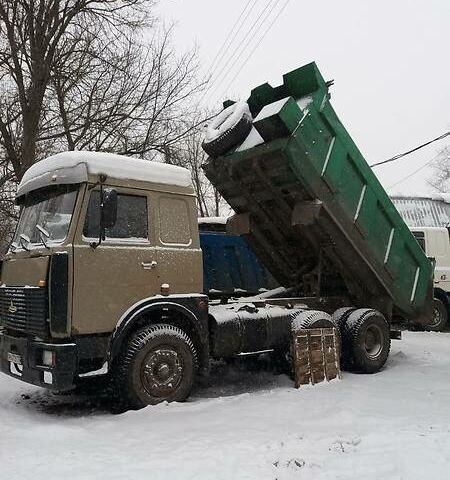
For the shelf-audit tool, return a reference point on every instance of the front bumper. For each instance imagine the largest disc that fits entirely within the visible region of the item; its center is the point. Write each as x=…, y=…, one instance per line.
x=60, y=376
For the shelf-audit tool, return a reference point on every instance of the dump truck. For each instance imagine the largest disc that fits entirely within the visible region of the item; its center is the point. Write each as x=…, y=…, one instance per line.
x=103, y=279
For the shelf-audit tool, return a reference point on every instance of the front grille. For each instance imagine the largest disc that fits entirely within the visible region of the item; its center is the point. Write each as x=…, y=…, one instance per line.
x=24, y=310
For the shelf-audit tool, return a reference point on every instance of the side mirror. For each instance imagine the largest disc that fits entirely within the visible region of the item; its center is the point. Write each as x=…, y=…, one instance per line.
x=109, y=208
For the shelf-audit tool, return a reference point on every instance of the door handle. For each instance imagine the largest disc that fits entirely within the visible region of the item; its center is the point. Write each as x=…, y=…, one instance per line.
x=149, y=265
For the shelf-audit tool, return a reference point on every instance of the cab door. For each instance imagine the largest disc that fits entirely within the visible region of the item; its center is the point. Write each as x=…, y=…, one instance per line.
x=119, y=272
x=180, y=266
x=438, y=246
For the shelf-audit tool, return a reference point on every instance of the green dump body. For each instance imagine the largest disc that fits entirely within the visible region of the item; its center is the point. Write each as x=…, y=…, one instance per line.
x=313, y=210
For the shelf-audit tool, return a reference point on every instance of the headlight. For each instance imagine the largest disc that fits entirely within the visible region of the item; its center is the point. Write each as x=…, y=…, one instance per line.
x=48, y=358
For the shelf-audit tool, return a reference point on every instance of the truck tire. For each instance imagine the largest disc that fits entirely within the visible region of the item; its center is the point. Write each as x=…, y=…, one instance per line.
x=312, y=319
x=316, y=319
x=282, y=358
x=340, y=316
x=367, y=333
x=158, y=364
x=440, y=316
x=228, y=129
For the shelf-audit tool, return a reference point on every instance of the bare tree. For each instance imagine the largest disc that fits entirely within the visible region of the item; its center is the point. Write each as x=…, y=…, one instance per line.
x=32, y=33
x=441, y=171
x=80, y=74
x=8, y=212
x=131, y=100
x=188, y=153
x=85, y=74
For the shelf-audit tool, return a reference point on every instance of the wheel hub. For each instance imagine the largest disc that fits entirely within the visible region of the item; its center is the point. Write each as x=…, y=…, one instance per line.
x=374, y=341
x=161, y=371
x=436, y=316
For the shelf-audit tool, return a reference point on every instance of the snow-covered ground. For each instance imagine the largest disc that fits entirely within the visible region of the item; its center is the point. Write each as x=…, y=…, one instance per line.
x=244, y=425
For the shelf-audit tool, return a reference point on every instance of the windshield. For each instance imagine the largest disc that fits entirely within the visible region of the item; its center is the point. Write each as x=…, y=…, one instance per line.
x=46, y=214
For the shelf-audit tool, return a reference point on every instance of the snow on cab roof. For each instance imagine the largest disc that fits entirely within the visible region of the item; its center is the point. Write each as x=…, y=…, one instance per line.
x=74, y=167
x=217, y=220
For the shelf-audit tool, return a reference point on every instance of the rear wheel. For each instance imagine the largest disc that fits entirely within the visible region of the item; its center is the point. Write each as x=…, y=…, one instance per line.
x=313, y=319
x=440, y=317
x=308, y=319
x=340, y=317
x=367, y=334
x=316, y=319
x=158, y=364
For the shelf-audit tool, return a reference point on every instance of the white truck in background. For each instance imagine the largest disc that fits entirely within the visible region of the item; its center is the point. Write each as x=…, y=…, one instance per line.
x=435, y=241
x=428, y=217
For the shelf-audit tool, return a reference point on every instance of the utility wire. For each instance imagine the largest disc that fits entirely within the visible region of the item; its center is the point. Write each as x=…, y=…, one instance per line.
x=247, y=38
x=410, y=175
x=249, y=41
x=256, y=46
x=232, y=34
x=400, y=155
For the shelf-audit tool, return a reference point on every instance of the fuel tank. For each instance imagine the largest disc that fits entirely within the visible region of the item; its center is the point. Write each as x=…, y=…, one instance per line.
x=244, y=327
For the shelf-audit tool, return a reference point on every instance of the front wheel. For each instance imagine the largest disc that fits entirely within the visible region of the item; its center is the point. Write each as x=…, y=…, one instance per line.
x=440, y=317
x=158, y=364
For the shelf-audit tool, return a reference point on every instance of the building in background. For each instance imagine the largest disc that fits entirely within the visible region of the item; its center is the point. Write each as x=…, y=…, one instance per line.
x=424, y=211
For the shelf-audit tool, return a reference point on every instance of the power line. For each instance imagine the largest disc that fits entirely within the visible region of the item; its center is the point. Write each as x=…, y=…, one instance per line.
x=257, y=45
x=400, y=155
x=227, y=42
x=247, y=38
x=256, y=24
x=410, y=175
x=247, y=44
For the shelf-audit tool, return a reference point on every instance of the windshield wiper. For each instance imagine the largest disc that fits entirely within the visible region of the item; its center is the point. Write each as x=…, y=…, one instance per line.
x=43, y=233
x=24, y=238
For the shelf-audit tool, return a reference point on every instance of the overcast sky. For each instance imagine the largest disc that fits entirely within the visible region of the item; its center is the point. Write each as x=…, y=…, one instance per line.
x=390, y=61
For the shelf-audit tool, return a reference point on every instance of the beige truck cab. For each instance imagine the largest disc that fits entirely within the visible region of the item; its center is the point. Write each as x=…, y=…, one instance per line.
x=102, y=240
x=435, y=241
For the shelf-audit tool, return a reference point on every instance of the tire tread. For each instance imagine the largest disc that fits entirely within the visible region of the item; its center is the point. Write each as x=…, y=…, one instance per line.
x=136, y=342
x=351, y=331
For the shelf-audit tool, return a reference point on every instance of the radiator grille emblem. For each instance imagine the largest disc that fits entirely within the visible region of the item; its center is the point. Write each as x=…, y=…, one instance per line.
x=12, y=308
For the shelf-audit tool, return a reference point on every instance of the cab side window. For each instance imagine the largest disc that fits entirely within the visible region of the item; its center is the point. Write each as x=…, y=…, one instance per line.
x=132, y=218
x=420, y=237
x=174, y=228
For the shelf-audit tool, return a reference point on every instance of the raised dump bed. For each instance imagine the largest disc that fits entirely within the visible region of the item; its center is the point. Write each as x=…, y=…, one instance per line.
x=311, y=207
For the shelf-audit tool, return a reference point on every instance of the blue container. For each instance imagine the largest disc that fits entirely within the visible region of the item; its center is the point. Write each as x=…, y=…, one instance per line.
x=230, y=268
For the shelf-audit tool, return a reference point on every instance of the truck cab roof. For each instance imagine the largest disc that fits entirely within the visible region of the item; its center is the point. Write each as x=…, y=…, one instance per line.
x=81, y=166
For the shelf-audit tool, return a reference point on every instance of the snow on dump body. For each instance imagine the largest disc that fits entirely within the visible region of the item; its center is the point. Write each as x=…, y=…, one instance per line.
x=115, y=166
x=271, y=109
